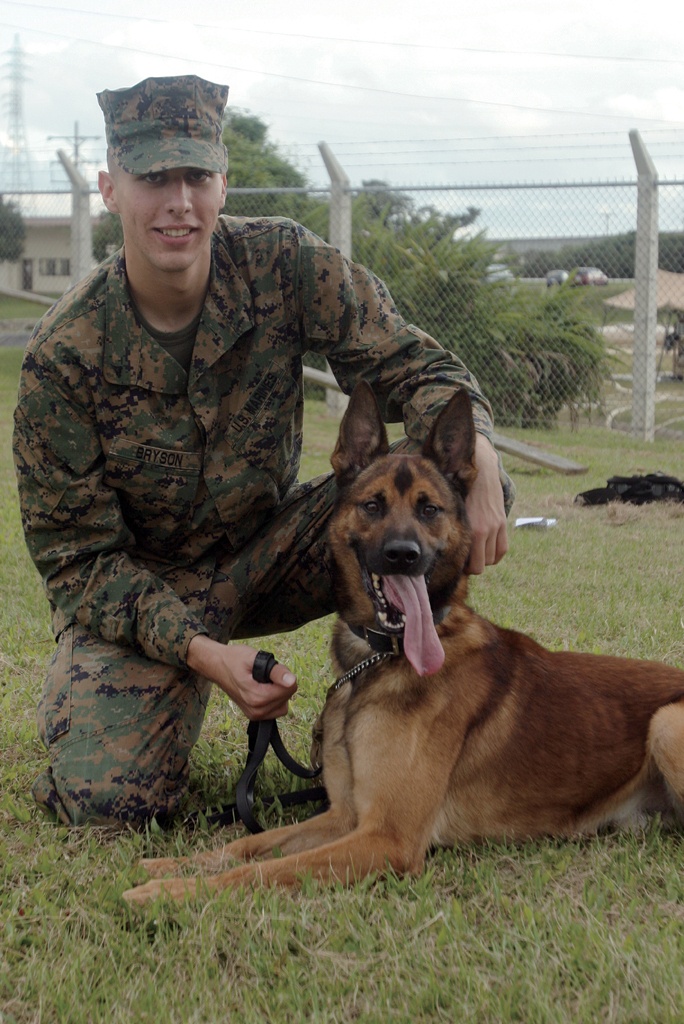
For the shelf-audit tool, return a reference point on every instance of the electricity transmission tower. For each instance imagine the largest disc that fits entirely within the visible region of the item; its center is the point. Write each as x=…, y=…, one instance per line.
x=16, y=163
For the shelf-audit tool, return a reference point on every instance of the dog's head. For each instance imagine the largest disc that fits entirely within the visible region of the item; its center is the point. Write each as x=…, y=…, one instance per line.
x=399, y=533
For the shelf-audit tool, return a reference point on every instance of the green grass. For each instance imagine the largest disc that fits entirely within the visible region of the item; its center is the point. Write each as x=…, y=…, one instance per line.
x=11, y=309
x=591, y=930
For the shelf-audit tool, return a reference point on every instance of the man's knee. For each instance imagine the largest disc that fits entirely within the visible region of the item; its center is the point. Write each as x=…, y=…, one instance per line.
x=118, y=729
x=106, y=802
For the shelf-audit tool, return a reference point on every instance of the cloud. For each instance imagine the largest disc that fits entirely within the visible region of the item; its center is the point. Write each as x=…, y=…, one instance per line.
x=372, y=75
x=666, y=104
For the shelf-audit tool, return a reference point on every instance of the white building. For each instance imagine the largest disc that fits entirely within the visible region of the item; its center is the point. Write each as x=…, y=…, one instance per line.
x=44, y=266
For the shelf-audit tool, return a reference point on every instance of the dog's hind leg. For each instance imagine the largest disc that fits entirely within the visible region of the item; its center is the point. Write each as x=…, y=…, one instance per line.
x=666, y=745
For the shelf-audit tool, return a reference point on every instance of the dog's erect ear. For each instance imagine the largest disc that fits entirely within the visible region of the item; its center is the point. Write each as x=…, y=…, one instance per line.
x=451, y=441
x=362, y=437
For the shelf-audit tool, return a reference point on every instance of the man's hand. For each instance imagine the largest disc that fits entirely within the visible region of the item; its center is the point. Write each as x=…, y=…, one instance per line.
x=230, y=667
x=485, y=507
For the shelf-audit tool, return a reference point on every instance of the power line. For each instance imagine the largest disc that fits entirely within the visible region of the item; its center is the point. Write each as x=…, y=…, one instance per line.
x=375, y=90
x=76, y=140
x=400, y=44
x=498, y=139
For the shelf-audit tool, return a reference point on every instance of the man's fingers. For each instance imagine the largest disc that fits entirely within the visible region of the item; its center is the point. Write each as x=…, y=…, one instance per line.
x=283, y=677
x=501, y=544
x=476, y=563
x=271, y=700
x=487, y=550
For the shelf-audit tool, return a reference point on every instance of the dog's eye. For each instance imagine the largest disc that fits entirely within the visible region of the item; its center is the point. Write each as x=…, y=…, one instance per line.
x=429, y=511
x=371, y=507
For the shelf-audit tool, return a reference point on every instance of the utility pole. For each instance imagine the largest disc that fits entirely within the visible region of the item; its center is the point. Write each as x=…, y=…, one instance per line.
x=81, y=227
x=76, y=139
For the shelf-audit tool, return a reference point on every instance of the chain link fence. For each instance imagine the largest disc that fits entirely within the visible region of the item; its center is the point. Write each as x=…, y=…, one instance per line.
x=531, y=285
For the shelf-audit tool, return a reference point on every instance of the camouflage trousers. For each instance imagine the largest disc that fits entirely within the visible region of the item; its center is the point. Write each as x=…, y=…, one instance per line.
x=119, y=727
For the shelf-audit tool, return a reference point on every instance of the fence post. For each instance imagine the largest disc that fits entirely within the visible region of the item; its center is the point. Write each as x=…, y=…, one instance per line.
x=81, y=227
x=645, y=293
x=340, y=223
x=339, y=235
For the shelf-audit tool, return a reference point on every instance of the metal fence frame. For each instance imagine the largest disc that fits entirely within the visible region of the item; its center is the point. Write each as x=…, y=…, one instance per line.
x=340, y=193
x=645, y=276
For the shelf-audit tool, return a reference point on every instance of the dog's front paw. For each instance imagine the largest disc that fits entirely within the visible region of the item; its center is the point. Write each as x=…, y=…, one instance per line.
x=160, y=867
x=173, y=888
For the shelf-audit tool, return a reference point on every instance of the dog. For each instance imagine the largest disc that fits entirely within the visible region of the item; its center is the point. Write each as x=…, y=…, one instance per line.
x=443, y=728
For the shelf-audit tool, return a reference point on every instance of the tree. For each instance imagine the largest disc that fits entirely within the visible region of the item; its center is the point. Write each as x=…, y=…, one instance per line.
x=255, y=162
x=107, y=236
x=378, y=202
x=533, y=351
x=12, y=232
x=397, y=211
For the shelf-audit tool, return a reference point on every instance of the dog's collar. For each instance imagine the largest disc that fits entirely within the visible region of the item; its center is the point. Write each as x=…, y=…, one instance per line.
x=349, y=676
x=382, y=643
x=390, y=643
x=385, y=646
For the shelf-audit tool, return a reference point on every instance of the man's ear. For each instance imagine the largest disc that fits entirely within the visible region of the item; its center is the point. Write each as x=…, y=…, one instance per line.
x=105, y=183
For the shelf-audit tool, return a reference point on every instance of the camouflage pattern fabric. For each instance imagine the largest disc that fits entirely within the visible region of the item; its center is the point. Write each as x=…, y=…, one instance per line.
x=162, y=123
x=138, y=482
x=119, y=728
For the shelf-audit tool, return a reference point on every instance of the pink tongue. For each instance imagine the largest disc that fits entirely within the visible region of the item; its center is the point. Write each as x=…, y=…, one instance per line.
x=422, y=646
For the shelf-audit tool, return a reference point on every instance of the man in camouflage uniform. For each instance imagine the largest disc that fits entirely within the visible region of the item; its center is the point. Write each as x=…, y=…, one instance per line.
x=157, y=444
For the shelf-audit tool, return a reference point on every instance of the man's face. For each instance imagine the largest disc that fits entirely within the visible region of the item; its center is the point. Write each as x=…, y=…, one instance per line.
x=167, y=217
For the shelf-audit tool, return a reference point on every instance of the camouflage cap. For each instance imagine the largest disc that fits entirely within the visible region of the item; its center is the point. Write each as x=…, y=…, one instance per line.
x=162, y=123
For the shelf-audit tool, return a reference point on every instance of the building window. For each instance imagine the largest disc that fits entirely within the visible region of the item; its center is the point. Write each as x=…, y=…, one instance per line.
x=54, y=267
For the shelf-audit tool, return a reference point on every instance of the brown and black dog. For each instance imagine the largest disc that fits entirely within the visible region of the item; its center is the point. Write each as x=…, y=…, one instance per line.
x=444, y=728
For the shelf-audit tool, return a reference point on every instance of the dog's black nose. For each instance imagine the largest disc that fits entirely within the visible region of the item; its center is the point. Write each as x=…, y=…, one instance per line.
x=400, y=557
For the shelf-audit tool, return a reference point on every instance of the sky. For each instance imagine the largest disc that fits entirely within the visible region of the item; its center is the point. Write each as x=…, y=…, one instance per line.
x=431, y=93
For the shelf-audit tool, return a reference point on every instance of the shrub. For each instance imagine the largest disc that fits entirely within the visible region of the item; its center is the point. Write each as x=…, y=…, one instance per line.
x=533, y=351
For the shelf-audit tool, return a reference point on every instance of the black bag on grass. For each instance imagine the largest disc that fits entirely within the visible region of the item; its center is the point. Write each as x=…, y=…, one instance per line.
x=636, y=490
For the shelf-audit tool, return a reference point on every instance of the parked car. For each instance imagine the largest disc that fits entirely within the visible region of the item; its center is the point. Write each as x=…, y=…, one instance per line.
x=590, y=275
x=498, y=272
x=556, y=277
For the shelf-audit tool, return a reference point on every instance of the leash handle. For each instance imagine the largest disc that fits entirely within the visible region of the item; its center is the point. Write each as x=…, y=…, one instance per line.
x=264, y=663
x=262, y=735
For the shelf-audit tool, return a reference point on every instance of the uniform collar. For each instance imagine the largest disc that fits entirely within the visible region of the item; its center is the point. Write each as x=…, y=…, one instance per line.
x=132, y=357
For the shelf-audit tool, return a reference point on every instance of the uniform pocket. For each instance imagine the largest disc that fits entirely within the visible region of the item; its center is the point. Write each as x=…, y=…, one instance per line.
x=54, y=709
x=156, y=486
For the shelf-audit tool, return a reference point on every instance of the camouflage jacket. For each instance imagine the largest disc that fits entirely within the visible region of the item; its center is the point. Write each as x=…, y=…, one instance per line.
x=132, y=475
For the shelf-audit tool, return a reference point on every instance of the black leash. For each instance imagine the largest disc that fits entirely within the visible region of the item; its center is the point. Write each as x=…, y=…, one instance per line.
x=260, y=737
x=265, y=734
